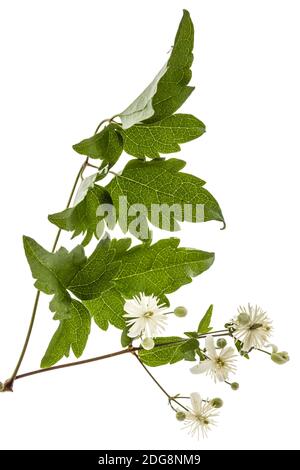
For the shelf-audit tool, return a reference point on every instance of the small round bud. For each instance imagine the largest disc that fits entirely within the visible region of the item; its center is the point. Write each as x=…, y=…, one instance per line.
x=235, y=386
x=180, y=312
x=221, y=343
x=180, y=415
x=216, y=402
x=280, y=357
x=243, y=318
x=148, y=343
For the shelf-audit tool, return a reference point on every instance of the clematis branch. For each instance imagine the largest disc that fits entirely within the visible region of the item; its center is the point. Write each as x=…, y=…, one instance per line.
x=76, y=363
x=7, y=387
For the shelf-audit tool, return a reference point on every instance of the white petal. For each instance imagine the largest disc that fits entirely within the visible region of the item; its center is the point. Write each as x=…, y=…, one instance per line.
x=132, y=308
x=196, y=402
x=137, y=328
x=210, y=346
x=203, y=366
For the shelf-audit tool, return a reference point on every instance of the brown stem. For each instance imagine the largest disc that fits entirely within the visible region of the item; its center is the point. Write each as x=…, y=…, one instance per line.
x=76, y=363
x=8, y=385
x=170, y=398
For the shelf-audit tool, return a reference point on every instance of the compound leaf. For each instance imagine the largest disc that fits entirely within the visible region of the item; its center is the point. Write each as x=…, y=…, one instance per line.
x=107, y=309
x=160, y=269
x=167, y=196
x=100, y=269
x=169, y=89
x=107, y=145
x=54, y=271
x=149, y=140
x=82, y=218
x=72, y=333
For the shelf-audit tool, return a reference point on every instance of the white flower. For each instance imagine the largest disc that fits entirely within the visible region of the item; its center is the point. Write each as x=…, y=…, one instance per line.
x=146, y=317
x=219, y=363
x=252, y=327
x=201, y=417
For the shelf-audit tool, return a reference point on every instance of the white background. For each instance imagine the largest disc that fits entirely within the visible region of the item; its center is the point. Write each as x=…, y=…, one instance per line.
x=64, y=67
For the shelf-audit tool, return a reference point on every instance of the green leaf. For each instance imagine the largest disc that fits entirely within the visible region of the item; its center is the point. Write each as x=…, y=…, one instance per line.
x=204, y=325
x=149, y=140
x=71, y=333
x=85, y=185
x=191, y=334
x=168, y=350
x=238, y=344
x=101, y=268
x=54, y=272
x=190, y=355
x=160, y=269
x=167, y=196
x=107, y=145
x=169, y=89
x=108, y=308
x=156, y=269
x=125, y=339
x=82, y=218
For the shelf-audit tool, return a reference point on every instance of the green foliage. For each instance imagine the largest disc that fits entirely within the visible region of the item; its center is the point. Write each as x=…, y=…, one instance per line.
x=161, y=182
x=107, y=145
x=125, y=339
x=169, y=89
x=149, y=140
x=204, y=325
x=239, y=345
x=168, y=350
x=101, y=268
x=161, y=268
x=82, y=218
x=158, y=269
x=54, y=272
x=108, y=308
x=71, y=333
x=115, y=271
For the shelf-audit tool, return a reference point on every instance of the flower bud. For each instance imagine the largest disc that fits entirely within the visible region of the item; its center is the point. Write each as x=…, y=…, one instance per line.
x=235, y=386
x=280, y=357
x=243, y=318
x=216, y=402
x=180, y=312
x=1, y=387
x=180, y=415
x=148, y=343
x=221, y=343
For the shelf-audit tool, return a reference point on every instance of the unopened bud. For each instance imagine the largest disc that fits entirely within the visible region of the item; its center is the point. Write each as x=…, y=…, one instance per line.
x=180, y=312
x=221, y=343
x=180, y=415
x=243, y=318
x=235, y=386
x=148, y=344
x=280, y=357
x=216, y=402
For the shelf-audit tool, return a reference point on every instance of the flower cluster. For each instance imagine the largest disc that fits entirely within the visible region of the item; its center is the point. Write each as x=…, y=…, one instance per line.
x=249, y=330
